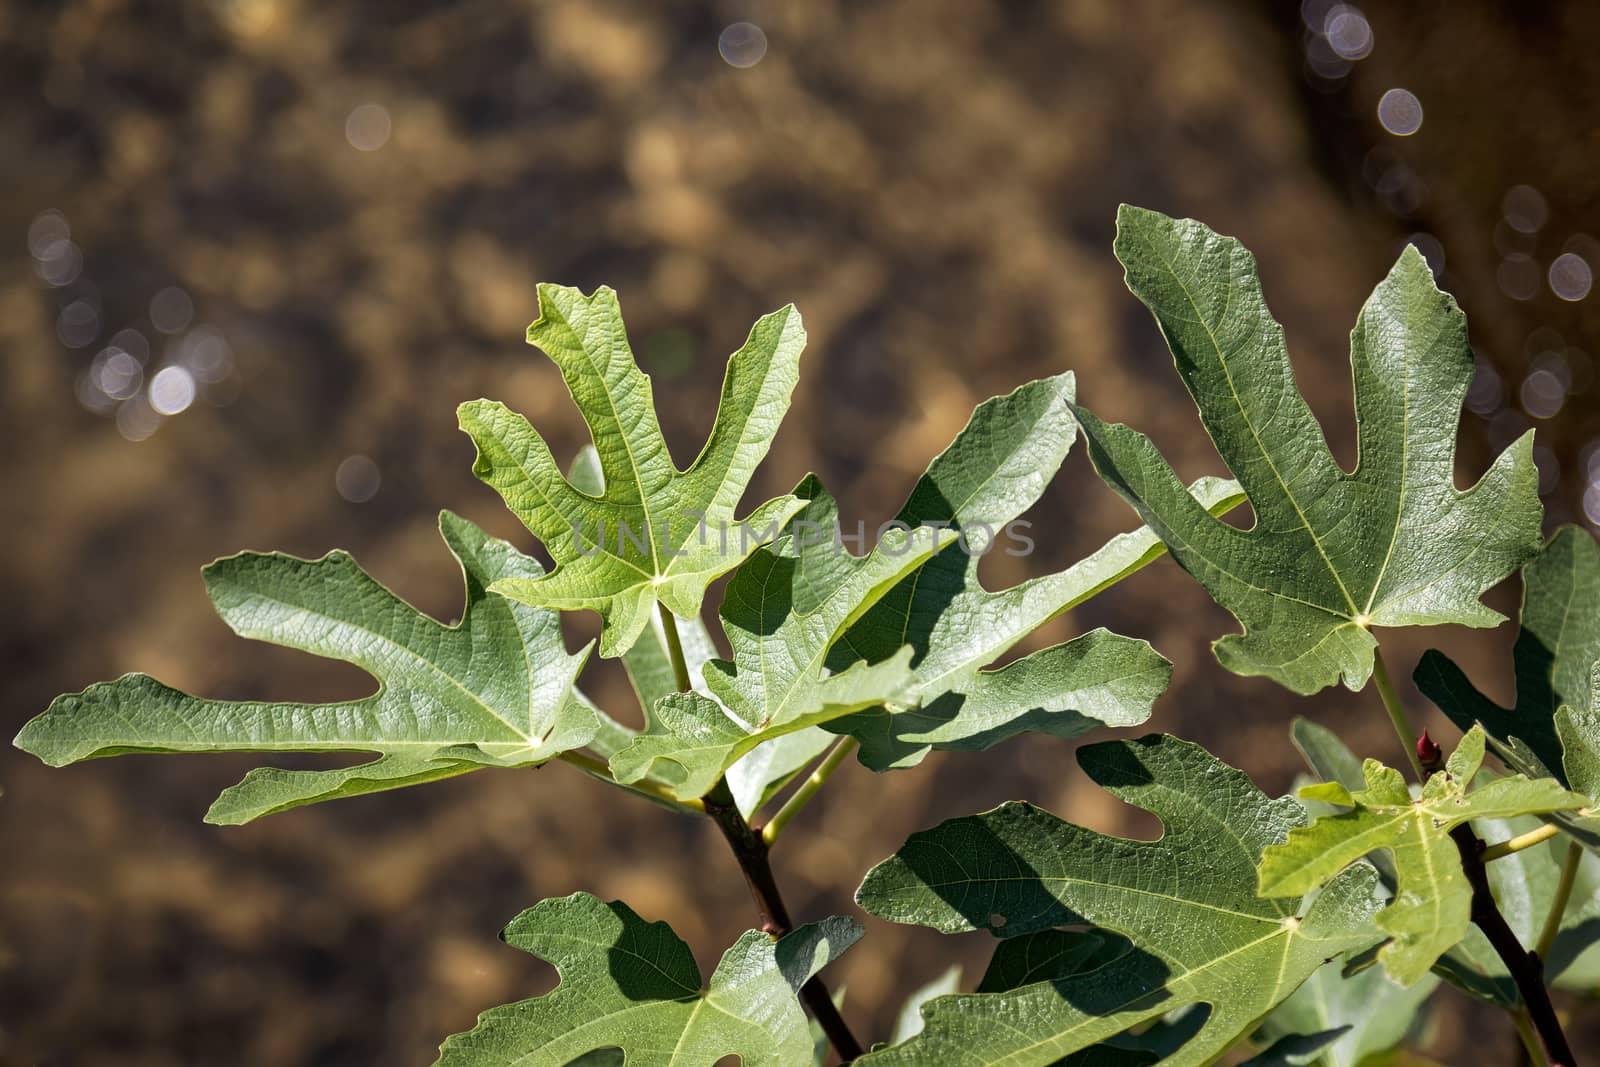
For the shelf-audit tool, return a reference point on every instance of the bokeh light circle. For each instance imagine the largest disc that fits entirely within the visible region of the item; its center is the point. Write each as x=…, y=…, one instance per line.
x=171, y=390
x=742, y=44
x=357, y=479
x=1571, y=277
x=1400, y=112
x=368, y=127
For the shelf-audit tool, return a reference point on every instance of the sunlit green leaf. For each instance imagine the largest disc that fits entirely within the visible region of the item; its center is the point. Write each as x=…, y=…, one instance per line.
x=657, y=534
x=782, y=610
x=1332, y=554
x=633, y=985
x=1523, y=883
x=492, y=690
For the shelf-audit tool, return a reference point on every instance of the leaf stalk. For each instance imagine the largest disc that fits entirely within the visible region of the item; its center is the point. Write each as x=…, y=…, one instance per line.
x=1397, y=713
x=680, y=667
x=1533, y=837
x=1530, y=1039
x=808, y=789
x=598, y=768
x=1558, y=904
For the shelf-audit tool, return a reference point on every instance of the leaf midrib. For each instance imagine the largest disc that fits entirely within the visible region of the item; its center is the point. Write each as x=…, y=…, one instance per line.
x=430, y=668
x=627, y=444
x=1233, y=392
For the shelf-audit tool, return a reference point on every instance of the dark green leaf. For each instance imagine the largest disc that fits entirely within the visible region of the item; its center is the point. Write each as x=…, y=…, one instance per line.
x=1332, y=554
x=1200, y=934
x=991, y=473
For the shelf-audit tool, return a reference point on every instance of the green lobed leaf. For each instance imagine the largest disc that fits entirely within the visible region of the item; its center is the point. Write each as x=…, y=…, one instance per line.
x=993, y=471
x=633, y=985
x=1554, y=729
x=782, y=610
x=495, y=689
x=1048, y=956
x=1187, y=902
x=683, y=528
x=1332, y=554
x=647, y=663
x=1057, y=955
x=1431, y=909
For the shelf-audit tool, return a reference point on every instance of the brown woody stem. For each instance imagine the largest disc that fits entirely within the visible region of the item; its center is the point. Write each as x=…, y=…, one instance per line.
x=1525, y=967
x=1526, y=971
x=750, y=849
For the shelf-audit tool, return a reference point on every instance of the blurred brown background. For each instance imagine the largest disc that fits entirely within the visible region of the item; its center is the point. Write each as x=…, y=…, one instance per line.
x=323, y=224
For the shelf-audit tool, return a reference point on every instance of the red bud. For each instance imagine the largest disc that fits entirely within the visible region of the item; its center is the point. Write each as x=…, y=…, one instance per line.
x=1428, y=753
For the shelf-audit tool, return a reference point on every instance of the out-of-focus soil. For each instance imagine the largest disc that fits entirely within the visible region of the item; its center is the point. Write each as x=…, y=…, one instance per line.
x=933, y=183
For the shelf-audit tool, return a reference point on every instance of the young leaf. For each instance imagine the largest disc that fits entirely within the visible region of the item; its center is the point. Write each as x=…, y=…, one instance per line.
x=1332, y=554
x=649, y=668
x=648, y=664
x=493, y=690
x=656, y=534
x=1367, y=1014
x=1431, y=909
x=782, y=610
x=1200, y=934
x=1523, y=883
x=633, y=985
x=1554, y=730
x=989, y=475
